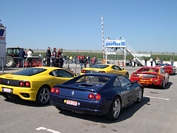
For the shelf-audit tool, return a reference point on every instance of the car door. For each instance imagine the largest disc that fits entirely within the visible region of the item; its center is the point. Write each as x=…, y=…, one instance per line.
x=122, y=91
x=128, y=86
x=117, y=70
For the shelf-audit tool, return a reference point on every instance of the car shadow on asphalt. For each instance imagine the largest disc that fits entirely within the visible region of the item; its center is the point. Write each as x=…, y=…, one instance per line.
x=126, y=113
x=25, y=103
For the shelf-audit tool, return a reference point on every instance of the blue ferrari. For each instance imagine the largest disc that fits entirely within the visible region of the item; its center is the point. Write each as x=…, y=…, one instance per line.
x=96, y=94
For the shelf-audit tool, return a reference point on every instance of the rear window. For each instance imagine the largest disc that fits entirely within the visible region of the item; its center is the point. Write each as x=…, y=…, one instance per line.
x=99, y=66
x=30, y=71
x=148, y=70
x=94, y=79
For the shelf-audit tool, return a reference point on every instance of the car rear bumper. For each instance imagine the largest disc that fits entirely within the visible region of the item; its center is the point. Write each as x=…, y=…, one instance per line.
x=148, y=82
x=85, y=106
x=21, y=92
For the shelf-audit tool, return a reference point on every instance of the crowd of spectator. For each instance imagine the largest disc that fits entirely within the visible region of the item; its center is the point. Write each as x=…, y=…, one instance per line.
x=59, y=59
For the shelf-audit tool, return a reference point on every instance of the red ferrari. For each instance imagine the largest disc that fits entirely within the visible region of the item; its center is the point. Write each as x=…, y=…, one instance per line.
x=151, y=76
x=168, y=68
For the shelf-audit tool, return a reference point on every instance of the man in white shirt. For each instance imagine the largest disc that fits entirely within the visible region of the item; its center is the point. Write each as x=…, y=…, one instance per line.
x=29, y=54
x=134, y=60
x=151, y=61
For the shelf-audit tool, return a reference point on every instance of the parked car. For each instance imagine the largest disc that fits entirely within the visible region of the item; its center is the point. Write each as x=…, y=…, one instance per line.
x=96, y=94
x=151, y=76
x=33, y=84
x=106, y=68
x=168, y=68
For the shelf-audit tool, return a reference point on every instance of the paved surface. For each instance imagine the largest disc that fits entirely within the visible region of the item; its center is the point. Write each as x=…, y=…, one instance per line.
x=157, y=113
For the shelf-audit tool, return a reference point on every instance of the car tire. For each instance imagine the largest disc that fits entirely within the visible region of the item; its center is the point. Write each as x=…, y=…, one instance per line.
x=115, y=109
x=140, y=95
x=163, y=84
x=9, y=61
x=43, y=95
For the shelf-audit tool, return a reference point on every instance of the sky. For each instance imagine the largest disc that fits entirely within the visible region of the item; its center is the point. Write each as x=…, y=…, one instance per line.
x=146, y=25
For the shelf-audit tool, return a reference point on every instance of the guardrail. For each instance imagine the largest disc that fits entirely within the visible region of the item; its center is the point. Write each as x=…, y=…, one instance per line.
x=34, y=61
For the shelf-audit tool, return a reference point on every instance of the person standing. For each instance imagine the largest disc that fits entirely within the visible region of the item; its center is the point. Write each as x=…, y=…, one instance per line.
x=48, y=55
x=171, y=61
x=157, y=61
x=60, y=52
x=145, y=62
x=88, y=59
x=85, y=61
x=151, y=61
x=134, y=60
x=54, y=53
x=130, y=62
x=22, y=57
x=61, y=61
x=81, y=61
x=29, y=55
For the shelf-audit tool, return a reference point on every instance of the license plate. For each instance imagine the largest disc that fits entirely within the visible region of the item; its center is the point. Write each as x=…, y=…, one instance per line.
x=141, y=80
x=7, y=90
x=70, y=102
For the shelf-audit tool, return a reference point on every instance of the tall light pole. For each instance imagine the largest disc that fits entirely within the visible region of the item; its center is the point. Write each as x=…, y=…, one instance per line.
x=102, y=30
x=173, y=58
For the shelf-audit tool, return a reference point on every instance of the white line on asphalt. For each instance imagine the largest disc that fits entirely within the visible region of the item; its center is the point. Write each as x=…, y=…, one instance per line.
x=52, y=131
x=41, y=128
x=158, y=98
x=49, y=130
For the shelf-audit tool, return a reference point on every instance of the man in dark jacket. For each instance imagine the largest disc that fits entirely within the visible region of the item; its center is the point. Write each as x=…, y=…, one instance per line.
x=21, y=57
x=48, y=55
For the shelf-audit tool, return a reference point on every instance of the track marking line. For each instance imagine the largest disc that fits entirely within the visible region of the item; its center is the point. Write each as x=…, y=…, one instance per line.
x=48, y=130
x=160, y=98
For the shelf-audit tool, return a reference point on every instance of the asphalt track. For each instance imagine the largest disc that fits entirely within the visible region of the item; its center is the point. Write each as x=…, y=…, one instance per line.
x=157, y=113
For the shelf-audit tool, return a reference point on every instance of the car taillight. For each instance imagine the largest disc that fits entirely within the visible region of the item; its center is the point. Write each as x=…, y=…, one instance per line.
x=102, y=72
x=27, y=84
x=21, y=83
x=52, y=90
x=55, y=90
x=0, y=80
x=24, y=83
x=96, y=97
x=83, y=71
x=134, y=75
x=91, y=96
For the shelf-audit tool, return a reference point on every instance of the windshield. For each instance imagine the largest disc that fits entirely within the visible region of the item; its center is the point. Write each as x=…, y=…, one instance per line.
x=30, y=71
x=99, y=66
x=150, y=69
x=164, y=64
x=93, y=79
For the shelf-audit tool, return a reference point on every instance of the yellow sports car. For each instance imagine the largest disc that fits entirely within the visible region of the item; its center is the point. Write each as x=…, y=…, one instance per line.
x=33, y=84
x=105, y=68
